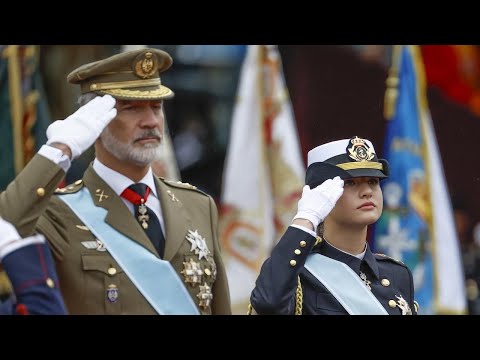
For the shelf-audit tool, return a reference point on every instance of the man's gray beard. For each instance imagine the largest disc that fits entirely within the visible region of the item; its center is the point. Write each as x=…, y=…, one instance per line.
x=127, y=152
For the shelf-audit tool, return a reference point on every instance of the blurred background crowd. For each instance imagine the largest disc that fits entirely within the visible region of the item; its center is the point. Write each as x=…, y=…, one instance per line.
x=336, y=91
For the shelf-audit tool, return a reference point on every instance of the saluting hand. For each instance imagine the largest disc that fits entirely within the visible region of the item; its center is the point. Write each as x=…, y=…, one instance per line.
x=80, y=130
x=316, y=204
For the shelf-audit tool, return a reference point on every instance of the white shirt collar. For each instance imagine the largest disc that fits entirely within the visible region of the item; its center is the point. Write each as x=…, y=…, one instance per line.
x=358, y=256
x=119, y=182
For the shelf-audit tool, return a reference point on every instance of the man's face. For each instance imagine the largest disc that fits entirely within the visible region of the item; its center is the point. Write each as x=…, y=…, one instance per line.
x=136, y=133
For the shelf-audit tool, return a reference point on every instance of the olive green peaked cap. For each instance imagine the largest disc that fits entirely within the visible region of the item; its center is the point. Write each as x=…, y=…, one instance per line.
x=133, y=75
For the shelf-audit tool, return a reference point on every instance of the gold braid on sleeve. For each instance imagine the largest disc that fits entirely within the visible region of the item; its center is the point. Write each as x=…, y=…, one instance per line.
x=299, y=298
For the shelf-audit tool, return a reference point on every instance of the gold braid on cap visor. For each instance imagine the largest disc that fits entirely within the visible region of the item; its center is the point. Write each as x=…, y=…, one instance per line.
x=361, y=165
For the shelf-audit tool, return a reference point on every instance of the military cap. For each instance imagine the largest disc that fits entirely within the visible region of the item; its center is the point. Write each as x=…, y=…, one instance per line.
x=132, y=75
x=347, y=158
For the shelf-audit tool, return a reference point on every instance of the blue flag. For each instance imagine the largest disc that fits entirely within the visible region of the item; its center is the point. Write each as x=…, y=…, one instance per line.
x=417, y=225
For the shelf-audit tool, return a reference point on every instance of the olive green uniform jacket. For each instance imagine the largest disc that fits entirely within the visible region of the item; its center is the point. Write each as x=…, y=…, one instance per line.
x=26, y=198
x=87, y=275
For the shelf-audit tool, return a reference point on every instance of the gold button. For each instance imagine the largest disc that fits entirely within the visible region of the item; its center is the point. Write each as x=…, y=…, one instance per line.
x=112, y=271
x=392, y=304
x=385, y=282
x=293, y=262
x=78, y=182
x=208, y=272
x=50, y=283
x=297, y=252
x=70, y=187
x=41, y=192
x=303, y=243
x=93, y=86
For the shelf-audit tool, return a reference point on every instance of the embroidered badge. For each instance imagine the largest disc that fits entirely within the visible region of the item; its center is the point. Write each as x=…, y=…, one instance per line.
x=172, y=196
x=199, y=246
x=94, y=245
x=112, y=293
x=146, y=65
x=101, y=196
x=359, y=150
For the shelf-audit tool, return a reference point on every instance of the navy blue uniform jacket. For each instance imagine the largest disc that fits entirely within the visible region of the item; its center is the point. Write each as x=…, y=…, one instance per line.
x=276, y=285
x=34, y=280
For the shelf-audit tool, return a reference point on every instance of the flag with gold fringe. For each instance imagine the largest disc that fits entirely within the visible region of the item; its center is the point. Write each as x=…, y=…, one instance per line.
x=417, y=225
x=263, y=174
x=24, y=114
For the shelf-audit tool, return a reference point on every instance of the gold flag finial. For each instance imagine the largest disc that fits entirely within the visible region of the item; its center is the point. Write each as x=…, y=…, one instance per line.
x=391, y=93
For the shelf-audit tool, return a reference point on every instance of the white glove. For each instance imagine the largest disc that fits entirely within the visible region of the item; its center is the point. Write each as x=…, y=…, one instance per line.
x=8, y=234
x=316, y=204
x=10, y=239
x=80, y=130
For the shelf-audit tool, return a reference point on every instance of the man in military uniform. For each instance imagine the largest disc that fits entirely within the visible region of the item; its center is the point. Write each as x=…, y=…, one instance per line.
x=30, y=267
x=125, y=241
x=323, y=264
x=28, y=262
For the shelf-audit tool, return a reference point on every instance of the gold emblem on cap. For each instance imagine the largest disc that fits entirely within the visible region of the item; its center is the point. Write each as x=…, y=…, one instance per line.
x=359, y=150
x=146, y=65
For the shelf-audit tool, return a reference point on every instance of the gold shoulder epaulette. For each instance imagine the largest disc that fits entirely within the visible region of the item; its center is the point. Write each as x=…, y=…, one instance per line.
x=386, y=257
x=180, y=184
x=70, y=189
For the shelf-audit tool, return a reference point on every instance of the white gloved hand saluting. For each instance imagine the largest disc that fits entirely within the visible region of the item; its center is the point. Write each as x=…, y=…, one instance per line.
x=317, y=203
x=81, y=129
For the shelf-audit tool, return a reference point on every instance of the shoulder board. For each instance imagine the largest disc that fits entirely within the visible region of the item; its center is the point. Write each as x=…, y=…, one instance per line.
x=182, y=185
x=70, y=189
x=386, y=257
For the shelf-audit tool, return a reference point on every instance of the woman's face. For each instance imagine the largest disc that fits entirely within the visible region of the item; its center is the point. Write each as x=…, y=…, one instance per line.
x=361, y=202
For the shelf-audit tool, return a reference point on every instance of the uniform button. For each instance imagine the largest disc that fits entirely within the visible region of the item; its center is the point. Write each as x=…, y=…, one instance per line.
x=392, y=303
x=297, y=252
x=385, y=282
x=303, y=243
x=41, y=192
x=293, y=262
x=70, y=187
x=112, y=271
x=50, y=283
x=208, y=272
x=78, y=182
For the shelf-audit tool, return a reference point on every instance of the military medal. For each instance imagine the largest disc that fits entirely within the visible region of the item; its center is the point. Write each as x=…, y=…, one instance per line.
x=403, y=305
x=367, y=282
x=192, y=272
x=143, y=217
x=199, y=246
x=205, y=295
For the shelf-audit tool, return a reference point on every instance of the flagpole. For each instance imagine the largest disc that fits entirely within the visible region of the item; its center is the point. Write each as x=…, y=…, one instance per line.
x=15, y=91
x=391, y=93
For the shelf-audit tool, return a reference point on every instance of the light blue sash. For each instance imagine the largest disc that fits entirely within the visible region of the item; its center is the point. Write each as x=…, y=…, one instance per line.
x=344, y=285
x=154, y=278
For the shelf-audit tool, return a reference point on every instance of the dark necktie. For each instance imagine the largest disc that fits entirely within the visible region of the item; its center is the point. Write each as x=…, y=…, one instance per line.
x=138, y=194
